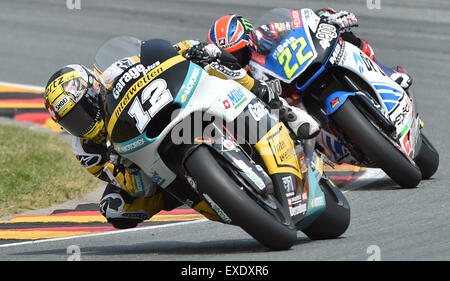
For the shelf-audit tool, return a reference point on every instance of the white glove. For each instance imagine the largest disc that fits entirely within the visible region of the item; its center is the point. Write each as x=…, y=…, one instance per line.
x=212, y=50
x=300, y=122
x=343, y=19
x=202, y=51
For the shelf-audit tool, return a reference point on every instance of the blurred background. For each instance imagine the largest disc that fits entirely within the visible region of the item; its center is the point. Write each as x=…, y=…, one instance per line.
x=38, y=36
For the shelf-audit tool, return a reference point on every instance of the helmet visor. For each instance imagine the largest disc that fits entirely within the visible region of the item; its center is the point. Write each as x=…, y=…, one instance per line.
x=83, y=116
x=76, y=88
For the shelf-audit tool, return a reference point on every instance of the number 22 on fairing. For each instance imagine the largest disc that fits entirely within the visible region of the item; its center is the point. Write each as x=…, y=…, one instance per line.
x=160, y=98
x=286, y=56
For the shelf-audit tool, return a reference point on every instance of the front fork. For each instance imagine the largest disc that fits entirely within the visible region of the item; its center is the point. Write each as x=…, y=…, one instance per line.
x=275, y=150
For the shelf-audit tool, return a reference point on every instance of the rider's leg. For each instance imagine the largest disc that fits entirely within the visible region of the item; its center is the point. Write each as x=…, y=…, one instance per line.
x=298, y=120
x=397, y=74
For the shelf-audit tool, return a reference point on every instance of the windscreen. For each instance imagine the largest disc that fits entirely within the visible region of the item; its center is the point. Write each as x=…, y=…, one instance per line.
x=115, y=49
x=274, y=15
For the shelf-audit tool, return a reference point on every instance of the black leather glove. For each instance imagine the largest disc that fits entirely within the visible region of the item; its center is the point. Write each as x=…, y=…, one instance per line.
x=196, y=52
x=265, y=93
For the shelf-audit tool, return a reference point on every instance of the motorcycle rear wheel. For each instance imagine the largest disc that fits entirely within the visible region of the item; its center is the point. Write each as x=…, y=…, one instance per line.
x=427, y=158
x=214, y=181
x=334, y=221
x=376, y=146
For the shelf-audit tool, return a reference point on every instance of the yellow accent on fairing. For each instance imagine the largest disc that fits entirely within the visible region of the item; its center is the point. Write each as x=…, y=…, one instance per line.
x=183, y=46
x=277, y=150
x=203, y=208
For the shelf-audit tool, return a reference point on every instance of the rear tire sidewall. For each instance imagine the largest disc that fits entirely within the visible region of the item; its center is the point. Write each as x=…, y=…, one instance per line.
x=334, y=220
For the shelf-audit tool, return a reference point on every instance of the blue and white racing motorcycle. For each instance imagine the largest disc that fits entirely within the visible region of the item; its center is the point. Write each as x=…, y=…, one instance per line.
x=367, y=119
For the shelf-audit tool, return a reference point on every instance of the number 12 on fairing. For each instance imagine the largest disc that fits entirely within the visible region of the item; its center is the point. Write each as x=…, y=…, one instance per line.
x=158, y=95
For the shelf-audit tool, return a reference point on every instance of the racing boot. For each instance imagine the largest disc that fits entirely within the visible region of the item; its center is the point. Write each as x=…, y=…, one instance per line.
x=115, y=206
x=298, y=120
x=398, y=74
x=401, y=77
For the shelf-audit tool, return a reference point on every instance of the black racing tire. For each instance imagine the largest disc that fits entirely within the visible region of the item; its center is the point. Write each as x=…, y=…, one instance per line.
x=335, y=219
x=376, y=146
x=213, y=180
x=427, y=158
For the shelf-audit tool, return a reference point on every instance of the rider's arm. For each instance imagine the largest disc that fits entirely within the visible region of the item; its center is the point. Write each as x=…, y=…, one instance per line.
x=97, y=160
x=224, y=67
x=345, y=21
x=260, y=88
x=239, y=75
x=91, y=156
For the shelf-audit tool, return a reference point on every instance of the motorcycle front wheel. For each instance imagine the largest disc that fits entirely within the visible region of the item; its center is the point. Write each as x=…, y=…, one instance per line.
x=243, y=211
x=375, y=145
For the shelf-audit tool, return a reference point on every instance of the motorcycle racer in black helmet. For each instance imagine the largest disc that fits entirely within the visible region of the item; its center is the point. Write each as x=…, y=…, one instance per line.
x=72, y=93
x=73, y=99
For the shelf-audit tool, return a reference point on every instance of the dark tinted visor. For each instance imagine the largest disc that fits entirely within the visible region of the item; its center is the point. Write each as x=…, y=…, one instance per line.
x=82, y=117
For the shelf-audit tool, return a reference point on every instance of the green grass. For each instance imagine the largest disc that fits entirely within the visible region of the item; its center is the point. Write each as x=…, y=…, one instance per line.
x=38, y=170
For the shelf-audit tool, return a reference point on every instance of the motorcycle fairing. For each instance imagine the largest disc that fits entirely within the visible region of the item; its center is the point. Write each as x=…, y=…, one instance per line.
x=308, y=43
x=278, y=151
x=189, y=85
x=395, y=103
x=196, y=91
x=121, y=119
x=280, y=158
x=335, y=100
x=294, y=58
x=335, y=150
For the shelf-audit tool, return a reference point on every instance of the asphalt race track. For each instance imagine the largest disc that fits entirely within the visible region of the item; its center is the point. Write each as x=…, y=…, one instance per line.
x=388, y=223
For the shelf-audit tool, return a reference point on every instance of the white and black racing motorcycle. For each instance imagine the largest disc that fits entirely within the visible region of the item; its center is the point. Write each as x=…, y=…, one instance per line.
x=367, y=119
x=270, y=187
